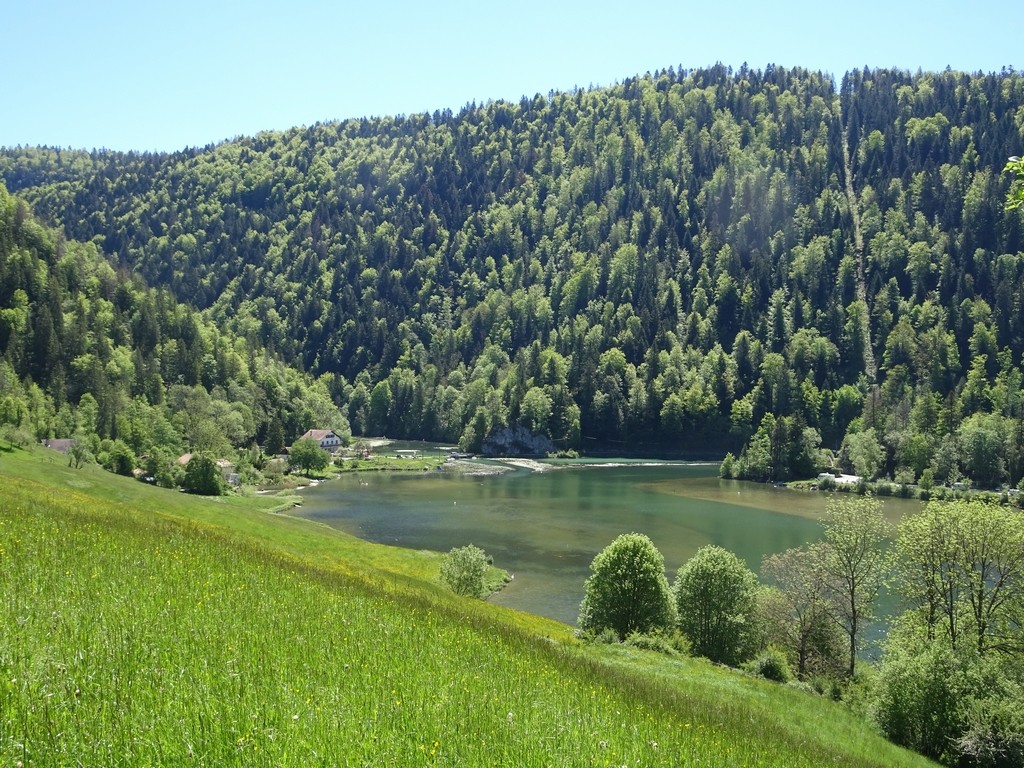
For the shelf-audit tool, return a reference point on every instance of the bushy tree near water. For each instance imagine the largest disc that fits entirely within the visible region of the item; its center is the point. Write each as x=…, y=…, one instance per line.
x=864, y=453
x=952, y=705
x=463, y=570
x=627, y=590
x=951, y=682
x=993, y=732
x=307, y=455
x=961, y=570
x=796, y=612
x=920, y=691
x=715, y=602
x=952, y=679
x=854, y=564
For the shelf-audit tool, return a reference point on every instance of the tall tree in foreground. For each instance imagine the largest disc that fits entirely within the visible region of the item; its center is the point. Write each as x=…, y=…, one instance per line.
x=854, y=563
x=715, y=600
x=961, y=566
x=627, y=590
x=801, y=617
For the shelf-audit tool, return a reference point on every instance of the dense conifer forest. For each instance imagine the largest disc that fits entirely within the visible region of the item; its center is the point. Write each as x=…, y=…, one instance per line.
x=806, y=273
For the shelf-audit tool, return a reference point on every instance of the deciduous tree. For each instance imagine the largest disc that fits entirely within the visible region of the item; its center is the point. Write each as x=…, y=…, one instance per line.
x=1015, y=196
x=864, y=453
x=463, y=570
x=307, y=455
x=854, y=563
x=627, y=590
x=961, y=568
x=202, y=476
x=715, y=603
x=802, y=620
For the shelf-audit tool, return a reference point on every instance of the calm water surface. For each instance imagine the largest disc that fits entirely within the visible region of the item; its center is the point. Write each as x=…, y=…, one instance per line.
x=546, y=527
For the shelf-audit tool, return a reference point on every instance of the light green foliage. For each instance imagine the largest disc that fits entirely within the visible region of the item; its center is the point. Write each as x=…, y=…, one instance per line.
x=669, y=644
x=771, y=664
x=127, y=361
x=727, y=469
x=15, y=318
x=922, y=694
x=854, y=563
x=960, y=566
x=683, y=242
x=993, y=732
x=79, y=453
x=463, y=570
x=983, y=439
x=307, y=455
x=864, y=453
x=535, y=410
x=715, y=602
x=627, y=590
x=15, y=436
x=209, y=423
x=952, y=705
x=1015, y=196
x=757, y=461
x=13, y=411
x=163, y=467
x=782, y=448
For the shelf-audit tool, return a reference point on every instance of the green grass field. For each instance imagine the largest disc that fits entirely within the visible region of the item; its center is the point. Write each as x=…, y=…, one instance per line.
x=388, y=463
x=146, y=627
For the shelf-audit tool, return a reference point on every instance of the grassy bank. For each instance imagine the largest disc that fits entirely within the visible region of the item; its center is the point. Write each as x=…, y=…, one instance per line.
x=386, y=463
x=142, y=627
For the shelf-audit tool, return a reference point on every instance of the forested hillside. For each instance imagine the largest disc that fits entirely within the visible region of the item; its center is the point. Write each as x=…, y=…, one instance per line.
x=90, y=353
x=695, y=260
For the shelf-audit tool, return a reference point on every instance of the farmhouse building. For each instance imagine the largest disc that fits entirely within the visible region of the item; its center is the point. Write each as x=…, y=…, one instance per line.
x=327, y=438
x=60, y=445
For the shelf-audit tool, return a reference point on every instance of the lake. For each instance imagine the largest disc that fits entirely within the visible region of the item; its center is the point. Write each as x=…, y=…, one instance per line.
x=546, y=527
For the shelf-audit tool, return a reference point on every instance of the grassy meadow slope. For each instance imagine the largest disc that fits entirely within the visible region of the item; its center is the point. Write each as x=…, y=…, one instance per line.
x=143, y=627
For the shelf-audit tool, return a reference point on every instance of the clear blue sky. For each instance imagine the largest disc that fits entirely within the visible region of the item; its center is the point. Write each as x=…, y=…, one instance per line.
x=158, y=75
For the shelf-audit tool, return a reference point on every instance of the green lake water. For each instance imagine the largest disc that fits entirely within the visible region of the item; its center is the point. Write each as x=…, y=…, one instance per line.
x=546, y=527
